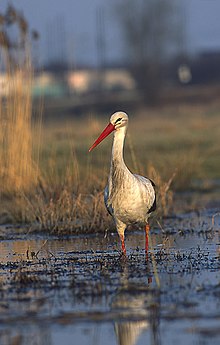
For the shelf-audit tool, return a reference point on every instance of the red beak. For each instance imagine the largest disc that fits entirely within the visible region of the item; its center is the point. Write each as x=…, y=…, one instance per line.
x=108, y=129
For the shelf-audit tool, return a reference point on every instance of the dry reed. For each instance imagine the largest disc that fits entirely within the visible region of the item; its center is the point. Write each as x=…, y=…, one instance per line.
x=163, y=191
x=18, y=172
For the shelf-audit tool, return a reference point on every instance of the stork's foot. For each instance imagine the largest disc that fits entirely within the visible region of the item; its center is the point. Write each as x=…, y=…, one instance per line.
x=123, y=245
x=149, y=280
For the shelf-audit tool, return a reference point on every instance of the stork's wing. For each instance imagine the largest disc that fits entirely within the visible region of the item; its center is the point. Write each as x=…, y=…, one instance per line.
x=109, y=207
x=150, y=186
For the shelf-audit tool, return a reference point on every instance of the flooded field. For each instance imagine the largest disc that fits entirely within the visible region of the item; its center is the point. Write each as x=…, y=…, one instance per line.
x=80, y=290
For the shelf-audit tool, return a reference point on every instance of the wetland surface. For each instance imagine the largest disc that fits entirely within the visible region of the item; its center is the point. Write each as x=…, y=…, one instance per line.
x=79, y=290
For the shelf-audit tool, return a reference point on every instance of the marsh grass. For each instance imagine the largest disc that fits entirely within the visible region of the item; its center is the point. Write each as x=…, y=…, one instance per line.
x=68, y=213
x=60, y=202
x=18, y=171
x=164, y=191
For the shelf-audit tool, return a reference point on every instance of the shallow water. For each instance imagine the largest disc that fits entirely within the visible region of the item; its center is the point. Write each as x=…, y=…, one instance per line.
x=79, y=290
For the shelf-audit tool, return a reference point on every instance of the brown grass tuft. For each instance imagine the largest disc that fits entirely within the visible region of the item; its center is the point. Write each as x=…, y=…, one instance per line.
x=163, y=190
x=67, y=212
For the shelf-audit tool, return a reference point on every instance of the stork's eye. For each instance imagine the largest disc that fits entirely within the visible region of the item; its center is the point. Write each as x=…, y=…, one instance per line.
x=118, y=120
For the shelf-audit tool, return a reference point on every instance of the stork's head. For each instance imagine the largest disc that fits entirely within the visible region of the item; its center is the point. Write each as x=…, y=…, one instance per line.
x=117, y=121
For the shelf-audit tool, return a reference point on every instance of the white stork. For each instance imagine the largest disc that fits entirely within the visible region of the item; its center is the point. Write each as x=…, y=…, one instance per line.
x=129, y=198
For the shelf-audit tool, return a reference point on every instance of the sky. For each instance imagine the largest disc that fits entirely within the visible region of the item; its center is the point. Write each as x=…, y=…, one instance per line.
x=77, y=18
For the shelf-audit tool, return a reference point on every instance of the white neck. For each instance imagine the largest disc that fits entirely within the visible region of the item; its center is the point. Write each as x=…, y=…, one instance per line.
x=117, y=148
x=118, y=169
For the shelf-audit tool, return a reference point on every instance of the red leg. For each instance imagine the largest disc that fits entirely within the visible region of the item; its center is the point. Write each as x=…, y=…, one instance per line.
x=123, y=244
x=147, y=229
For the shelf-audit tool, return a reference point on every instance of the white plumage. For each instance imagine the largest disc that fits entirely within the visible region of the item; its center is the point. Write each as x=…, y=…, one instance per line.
x=129, y=198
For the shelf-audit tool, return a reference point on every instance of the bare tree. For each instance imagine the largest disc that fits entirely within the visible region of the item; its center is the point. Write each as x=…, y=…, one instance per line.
x=14, y=38
x=150, y=31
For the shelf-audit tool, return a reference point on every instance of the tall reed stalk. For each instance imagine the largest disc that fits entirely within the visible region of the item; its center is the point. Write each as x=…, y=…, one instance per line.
x=17, y=171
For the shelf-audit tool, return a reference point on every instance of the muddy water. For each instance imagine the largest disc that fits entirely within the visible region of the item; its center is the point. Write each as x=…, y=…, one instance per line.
x=79, y=290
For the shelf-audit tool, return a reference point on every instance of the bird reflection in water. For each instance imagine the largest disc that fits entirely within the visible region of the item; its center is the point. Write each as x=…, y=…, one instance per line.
x=136, y=308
